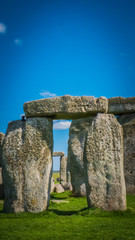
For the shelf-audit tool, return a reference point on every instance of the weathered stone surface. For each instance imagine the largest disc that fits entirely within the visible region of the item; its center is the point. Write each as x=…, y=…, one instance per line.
x=68, y=177
x=1, y=185
x=121, y=105
x=128, y=123
x=66, y=107
x=63, y=169
x=77, y=136
x=58, y=154
x=103, y=157
x=52, y=184
x=27, y=165
x=1, y=143
x=58, y=188
x=67, y=186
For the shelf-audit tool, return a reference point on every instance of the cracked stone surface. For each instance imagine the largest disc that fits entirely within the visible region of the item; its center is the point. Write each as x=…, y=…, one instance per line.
x=66, y=107
x=103, y=159
x=27, y=165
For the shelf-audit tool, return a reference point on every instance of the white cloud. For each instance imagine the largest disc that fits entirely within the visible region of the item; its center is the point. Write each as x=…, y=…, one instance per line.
x=61, y=125
x=2, y=28
x=18, y=42
x=47, y=94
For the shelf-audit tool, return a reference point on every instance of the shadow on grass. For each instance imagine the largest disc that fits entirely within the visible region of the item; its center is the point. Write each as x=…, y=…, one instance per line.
x=66, y=213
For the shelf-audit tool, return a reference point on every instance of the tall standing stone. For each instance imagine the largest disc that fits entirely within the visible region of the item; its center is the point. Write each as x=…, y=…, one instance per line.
x=63, y=169
x=1, y=181
x=128, y=123
x=27, y=165
x=103, y=158
x=1, y=146
x=77, y=136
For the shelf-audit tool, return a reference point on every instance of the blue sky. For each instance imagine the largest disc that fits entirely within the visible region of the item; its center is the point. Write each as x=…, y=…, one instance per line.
x=56, y=47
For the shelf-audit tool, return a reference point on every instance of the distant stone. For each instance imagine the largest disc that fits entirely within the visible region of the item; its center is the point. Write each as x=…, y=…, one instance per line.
x=58, y=154
x=121, y=105
x=66, y=107
x=103, y=158
x=77, y=136
x=128, y=123
x=67, y=186
x=63, y=169
x=27, y=165
x=2, y=135
x=59, y=201
x=58, y=188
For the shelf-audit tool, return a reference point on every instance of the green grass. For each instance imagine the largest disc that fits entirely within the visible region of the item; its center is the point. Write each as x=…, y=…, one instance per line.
x=71, y=220
x=55, y=176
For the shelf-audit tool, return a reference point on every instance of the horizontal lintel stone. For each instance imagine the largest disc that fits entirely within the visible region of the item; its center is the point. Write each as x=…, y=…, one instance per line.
x=66, y=107
x=121, y=105
x=58, y=154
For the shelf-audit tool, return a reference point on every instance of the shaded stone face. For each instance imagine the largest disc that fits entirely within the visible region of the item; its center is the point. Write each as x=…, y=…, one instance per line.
x=1, y=185
x=66, y=107
x=121, y=105
x=1, y=144
x=77, y=135
x=27, y=165
x=103, y=159
x=128, y=123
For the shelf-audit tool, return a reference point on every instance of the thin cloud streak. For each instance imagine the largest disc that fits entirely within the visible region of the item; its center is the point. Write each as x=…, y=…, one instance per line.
x=2, y=28
x=47, y=94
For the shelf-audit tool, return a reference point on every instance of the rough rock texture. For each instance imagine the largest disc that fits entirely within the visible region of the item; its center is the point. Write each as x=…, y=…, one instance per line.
x=103, y=158
x=63, y=169
x=57, y=154
x=68, y=177
x=52, y=184
x=67, y=186
x=58, y=188
x=121, y=105
x=27, y=165
x=1, y=185
x=66, y=107
x=1, y=143
x=77, y=135
x=128, y=123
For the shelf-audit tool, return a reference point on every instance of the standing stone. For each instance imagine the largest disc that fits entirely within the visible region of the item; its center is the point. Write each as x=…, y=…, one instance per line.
x=27, y=165
x=103, y=158
x=128, y=123
x=1, y=181
x=77, y=136
x=1, y=185
x=1, y=144
x=63, y=169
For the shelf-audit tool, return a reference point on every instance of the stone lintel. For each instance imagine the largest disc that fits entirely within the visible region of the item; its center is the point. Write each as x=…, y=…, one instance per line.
x=58, y=154
x=121, y=105
x=66, y=107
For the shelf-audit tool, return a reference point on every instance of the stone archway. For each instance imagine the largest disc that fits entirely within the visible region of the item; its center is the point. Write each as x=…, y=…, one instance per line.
x=28, y=150
x=63, y=166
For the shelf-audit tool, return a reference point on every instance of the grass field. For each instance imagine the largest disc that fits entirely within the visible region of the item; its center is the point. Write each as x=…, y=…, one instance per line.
x=71, y=220
x=55, y=176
